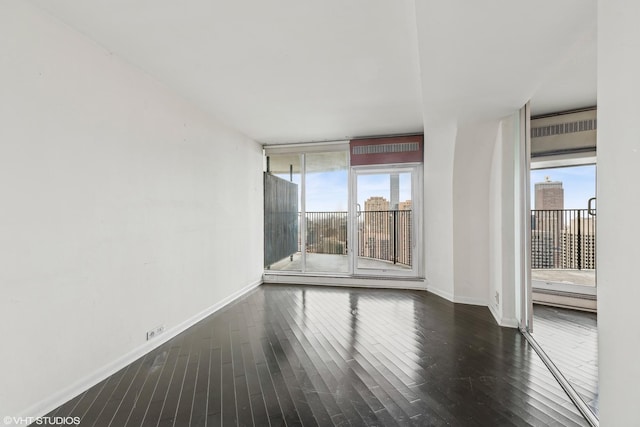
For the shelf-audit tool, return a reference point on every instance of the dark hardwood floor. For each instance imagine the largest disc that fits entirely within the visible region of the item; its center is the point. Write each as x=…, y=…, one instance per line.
x=306, y=356
x=570, y=339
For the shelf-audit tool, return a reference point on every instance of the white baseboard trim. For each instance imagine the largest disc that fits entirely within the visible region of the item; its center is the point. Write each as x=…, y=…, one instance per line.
x=443, y=294
x=346, y=281
x=506, y=322
x=457, y=299
x=45, y=406
x=470, y=300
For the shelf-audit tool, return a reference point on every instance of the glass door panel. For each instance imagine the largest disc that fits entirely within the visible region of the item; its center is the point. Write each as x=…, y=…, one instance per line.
x=385, y=221
x=326, y=212
x=563, y=230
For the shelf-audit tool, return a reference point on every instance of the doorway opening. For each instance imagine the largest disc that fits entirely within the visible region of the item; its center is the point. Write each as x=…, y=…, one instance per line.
x=563, y=236
x=384, y=220
x=562, y=297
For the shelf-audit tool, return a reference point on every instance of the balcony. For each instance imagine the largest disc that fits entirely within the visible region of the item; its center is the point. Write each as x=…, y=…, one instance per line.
x=384, y=242
x=563, y=257
x=563, y=249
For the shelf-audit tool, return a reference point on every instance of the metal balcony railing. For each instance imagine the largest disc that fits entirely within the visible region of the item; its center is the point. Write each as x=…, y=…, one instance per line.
x=382, y=235
x=563, y=239
x=560, y=239
x=385, y=235
x=327, y=232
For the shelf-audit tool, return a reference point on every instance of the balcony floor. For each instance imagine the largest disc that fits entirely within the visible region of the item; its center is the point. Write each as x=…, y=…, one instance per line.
x=574, y=277
x=570, y=339
x=330, y=263
x=574, y=289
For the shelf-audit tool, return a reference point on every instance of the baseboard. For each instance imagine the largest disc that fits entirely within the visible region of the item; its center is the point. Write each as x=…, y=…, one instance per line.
x=507, y=322
x=457, y=299
x=44, y=407
x=471, y=300
x=443, y=294
x=346, y=281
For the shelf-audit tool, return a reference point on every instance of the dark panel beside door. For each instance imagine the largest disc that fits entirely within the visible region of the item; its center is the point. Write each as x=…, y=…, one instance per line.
x=280, y=218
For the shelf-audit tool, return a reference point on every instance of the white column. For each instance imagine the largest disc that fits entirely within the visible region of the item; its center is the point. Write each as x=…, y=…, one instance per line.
x=618, y=248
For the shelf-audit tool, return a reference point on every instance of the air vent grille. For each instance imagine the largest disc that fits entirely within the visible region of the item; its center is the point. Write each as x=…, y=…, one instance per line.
x=386, y=148
x=387, y=151
x=564, y=128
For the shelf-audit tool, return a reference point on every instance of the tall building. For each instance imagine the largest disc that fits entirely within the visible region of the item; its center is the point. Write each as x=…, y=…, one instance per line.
x=376, y=203
x=579, y=244
x=375, y=239
x=546, y=242
x=386, y=232
x=405, y=230
x=404, y=206
x=549, y=195
x=394, y=184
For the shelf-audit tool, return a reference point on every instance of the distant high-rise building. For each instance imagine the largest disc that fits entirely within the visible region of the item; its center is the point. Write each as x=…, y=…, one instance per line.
x=376, y=203
x=394, y=184
x=376, y=226
x=549, y=195
x=404, y=206
x=542, y=249
x=548, y=224
x=385, y=232
x=404, y=227
x=579, y=244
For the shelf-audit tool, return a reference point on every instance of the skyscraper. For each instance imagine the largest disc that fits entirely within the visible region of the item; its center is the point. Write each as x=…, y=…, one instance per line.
x=404, y=206
x=376, y=228
x=376, y=203
x=549, y=195
x=548, y=224
x=394, y=183
x=579, y=243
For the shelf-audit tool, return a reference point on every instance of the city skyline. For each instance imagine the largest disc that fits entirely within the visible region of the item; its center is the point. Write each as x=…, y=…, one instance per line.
x=578, y=182
x=328, y=191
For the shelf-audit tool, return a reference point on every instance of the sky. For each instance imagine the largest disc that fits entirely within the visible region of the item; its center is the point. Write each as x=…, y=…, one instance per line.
x=379, y=185
x=328, y=191
x=578, y=182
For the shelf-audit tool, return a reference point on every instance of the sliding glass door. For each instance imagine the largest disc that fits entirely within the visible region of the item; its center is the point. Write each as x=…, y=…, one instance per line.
x=385, y=220
x=321, y=218
x=324, y=216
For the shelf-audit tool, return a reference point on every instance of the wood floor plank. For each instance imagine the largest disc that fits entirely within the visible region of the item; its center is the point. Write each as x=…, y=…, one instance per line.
x=320, y=356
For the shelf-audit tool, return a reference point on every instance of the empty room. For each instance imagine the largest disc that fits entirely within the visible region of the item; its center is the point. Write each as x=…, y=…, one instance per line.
x=319, y=213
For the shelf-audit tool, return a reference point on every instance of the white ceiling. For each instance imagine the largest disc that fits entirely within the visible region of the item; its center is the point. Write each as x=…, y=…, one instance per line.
x=291, y=71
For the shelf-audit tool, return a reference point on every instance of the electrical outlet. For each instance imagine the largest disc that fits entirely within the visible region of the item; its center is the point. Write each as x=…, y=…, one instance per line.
x=155, y=332
x=497, y=298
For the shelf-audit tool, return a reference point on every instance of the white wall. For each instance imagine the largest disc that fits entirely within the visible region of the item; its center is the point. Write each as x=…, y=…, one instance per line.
x=502, y=211
x=471, y=183
x=618, y=181
x=439, y=149
x=122, y=208
x=468, y=188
